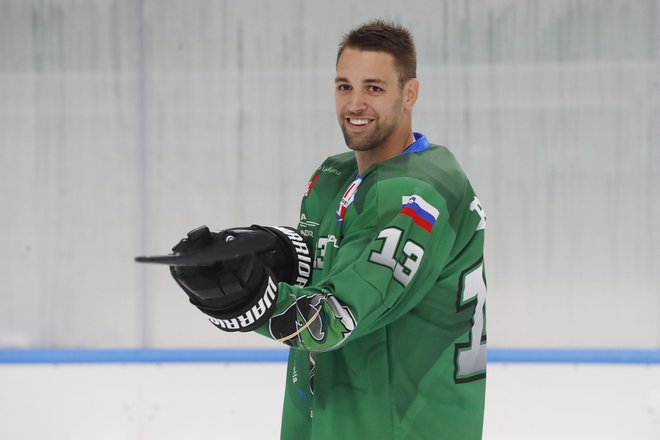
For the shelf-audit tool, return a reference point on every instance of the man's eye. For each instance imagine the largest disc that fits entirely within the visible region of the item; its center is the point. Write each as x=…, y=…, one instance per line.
x=375, y=89
x=343, y=87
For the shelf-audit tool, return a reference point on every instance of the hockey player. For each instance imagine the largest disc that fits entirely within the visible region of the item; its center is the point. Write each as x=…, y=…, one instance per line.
x=380, y=290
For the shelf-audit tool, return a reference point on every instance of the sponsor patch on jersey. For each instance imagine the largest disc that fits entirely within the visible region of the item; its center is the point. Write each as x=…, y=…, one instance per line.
x=422, y=212
x=347, y=199
x=329, y=169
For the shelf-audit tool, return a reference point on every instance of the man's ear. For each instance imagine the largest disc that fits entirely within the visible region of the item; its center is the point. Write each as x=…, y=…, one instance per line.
x=410, y=93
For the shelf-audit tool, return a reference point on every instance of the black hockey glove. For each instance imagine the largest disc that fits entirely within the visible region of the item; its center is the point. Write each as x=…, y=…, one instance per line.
x=237, y=288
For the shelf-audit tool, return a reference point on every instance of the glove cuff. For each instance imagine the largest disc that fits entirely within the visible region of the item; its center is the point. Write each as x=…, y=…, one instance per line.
x=299, y=252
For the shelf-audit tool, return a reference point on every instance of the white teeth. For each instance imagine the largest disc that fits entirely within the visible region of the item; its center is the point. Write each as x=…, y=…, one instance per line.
x=359, y=121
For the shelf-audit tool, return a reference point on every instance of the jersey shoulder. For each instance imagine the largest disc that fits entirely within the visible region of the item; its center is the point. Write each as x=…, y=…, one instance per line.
x=434, y=170
x=341, y=161
x=334, y=170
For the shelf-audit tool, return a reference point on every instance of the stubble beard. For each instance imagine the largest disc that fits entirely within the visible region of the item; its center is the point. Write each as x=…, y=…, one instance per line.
x=369, y=142
x=372, y=140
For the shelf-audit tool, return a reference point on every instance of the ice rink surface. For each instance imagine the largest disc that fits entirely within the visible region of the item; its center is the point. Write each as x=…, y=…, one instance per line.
x=243, y=401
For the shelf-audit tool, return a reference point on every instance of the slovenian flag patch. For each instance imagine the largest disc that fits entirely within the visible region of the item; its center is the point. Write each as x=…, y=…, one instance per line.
x=422, y=212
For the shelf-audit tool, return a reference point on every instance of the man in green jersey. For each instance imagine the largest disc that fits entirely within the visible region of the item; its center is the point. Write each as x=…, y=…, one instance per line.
x=380, y=290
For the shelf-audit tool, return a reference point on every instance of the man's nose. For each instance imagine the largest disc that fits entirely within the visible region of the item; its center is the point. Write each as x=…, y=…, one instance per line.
x=357, y=102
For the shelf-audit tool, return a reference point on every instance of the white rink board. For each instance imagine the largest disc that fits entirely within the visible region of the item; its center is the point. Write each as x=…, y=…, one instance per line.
x=243, y=401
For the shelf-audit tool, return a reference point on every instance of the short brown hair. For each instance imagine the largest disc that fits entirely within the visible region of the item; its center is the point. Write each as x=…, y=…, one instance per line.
x=383, y=36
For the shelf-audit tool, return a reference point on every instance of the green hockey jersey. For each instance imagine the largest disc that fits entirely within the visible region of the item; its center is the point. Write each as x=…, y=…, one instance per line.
x=389, y=339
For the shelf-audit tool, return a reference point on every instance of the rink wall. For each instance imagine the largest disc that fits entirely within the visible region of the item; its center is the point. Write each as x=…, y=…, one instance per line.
x=126, y=123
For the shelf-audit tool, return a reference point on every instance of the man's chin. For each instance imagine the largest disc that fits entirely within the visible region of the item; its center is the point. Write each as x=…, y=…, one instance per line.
x=358, y=143
x=359, y=147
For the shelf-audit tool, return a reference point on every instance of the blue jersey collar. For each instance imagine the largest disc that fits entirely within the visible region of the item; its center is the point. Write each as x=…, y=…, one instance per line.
x=421, y=143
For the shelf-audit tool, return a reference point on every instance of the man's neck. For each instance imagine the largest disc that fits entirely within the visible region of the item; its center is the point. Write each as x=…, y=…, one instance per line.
x=392, y=148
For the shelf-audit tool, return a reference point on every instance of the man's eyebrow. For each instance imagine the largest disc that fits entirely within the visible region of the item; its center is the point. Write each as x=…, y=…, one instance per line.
x=341, y=79
x=374, y=81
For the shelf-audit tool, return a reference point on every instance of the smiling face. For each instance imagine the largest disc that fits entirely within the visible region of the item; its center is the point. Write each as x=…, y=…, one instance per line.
x=373, y=110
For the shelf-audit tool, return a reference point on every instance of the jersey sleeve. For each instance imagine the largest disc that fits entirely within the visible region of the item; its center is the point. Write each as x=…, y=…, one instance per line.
x=392, y=252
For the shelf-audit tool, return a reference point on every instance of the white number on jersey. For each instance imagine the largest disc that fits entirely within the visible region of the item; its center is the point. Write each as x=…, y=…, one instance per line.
x=403, y=271
x=471, y=356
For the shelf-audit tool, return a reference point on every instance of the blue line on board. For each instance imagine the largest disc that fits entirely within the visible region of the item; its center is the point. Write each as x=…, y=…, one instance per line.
x=574, y=356
x=148, y=356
